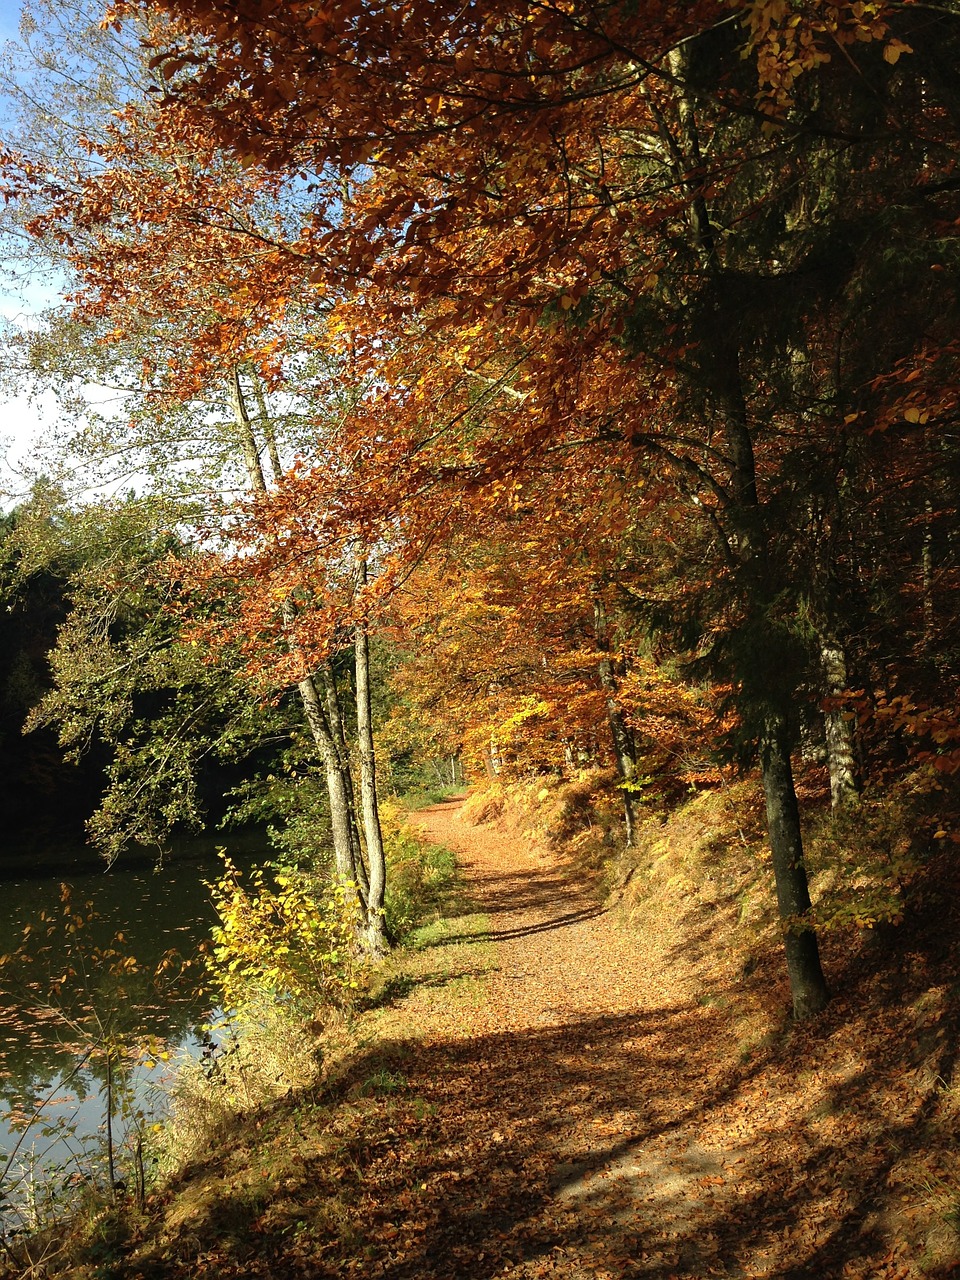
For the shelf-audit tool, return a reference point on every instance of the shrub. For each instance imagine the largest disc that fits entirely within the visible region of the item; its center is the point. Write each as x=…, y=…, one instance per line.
x=284, y=959
x=419, y=876
x=293, y=943
x=866, y=857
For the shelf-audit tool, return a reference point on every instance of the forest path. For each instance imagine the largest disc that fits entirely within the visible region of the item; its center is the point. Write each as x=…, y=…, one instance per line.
x=576, y=1084
x=559, y=955
x=535, y=1090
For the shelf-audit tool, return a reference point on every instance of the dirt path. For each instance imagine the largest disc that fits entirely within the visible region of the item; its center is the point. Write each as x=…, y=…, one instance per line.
x=578, y=1073
x=559, y=956
x=589, y=1112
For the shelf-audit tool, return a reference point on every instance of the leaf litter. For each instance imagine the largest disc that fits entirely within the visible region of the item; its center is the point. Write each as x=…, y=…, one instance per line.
x=551, y=1095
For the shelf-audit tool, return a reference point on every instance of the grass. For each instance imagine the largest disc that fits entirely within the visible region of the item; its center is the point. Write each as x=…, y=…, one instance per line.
x=231, y=1143
x=395, y=1148
x=421, y=797
x=423, y=880
x=442, y=961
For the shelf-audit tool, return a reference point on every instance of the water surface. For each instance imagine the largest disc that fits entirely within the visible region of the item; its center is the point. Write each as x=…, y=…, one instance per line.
x=103, y=989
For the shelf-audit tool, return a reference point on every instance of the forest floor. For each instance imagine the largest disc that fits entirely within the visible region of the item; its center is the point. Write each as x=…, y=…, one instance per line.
x=540, y=1091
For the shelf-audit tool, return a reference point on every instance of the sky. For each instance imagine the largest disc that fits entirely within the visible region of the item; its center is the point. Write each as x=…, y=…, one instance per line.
x=22, y=420
x=9, y=18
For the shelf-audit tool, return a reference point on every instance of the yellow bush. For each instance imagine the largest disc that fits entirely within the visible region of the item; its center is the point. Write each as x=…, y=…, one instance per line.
x=293, y=942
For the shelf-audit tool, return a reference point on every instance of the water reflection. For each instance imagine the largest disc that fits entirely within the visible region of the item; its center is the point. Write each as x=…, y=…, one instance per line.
x=101, y=987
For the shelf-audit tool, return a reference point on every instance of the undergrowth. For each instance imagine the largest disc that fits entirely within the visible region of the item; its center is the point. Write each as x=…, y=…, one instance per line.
x=427, y=793
x=286, y=968
x=422, y=879
x=288, y=980
x=582, y=816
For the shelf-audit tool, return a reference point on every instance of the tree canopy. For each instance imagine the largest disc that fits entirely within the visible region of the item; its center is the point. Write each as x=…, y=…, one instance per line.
x=603, y=356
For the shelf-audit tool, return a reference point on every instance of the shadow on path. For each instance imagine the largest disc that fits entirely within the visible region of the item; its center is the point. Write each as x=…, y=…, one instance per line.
x=642, y=1145
x=576, y=1151
x=525, y=931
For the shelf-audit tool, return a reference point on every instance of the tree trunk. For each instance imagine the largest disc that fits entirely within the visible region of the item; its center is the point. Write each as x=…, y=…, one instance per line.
x=623, y=751
x=335, y=718
x=376, y=940
x=841, y=749
x=623, y=745
x=248, y=441
x=807, y=984
x=342, y=819
x=746, y=549
x=927, y=573
x=269, y=434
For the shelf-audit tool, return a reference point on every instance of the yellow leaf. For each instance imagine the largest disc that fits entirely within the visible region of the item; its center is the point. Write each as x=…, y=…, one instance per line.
x=893, y=50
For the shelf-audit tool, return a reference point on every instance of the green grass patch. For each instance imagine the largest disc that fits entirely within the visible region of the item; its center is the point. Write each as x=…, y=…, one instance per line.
x=424, y=883
x=470, y=927
x=424, y=796
x=443, y=960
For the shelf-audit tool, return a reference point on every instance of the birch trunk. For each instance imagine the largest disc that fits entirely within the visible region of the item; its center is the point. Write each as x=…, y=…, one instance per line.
x=341, y=809
x=623, y=746
x=927, y=574
x=841, y=748
x=376, y=939
x=335, y=719
x=341, y=817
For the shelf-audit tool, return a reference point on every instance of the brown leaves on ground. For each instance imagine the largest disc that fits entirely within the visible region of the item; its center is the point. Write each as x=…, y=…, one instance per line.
x=556, y=1096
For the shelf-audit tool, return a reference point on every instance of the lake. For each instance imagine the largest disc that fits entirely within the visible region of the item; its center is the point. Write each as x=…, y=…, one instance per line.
x=100, y=992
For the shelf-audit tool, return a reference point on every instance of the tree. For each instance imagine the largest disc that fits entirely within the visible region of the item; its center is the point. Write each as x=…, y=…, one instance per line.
x=188, y=280
x=620, y=240
x=123, y=689
x=44, y=799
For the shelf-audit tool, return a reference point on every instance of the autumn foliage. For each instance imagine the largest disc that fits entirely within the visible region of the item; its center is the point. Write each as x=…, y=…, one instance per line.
x=627, y=336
